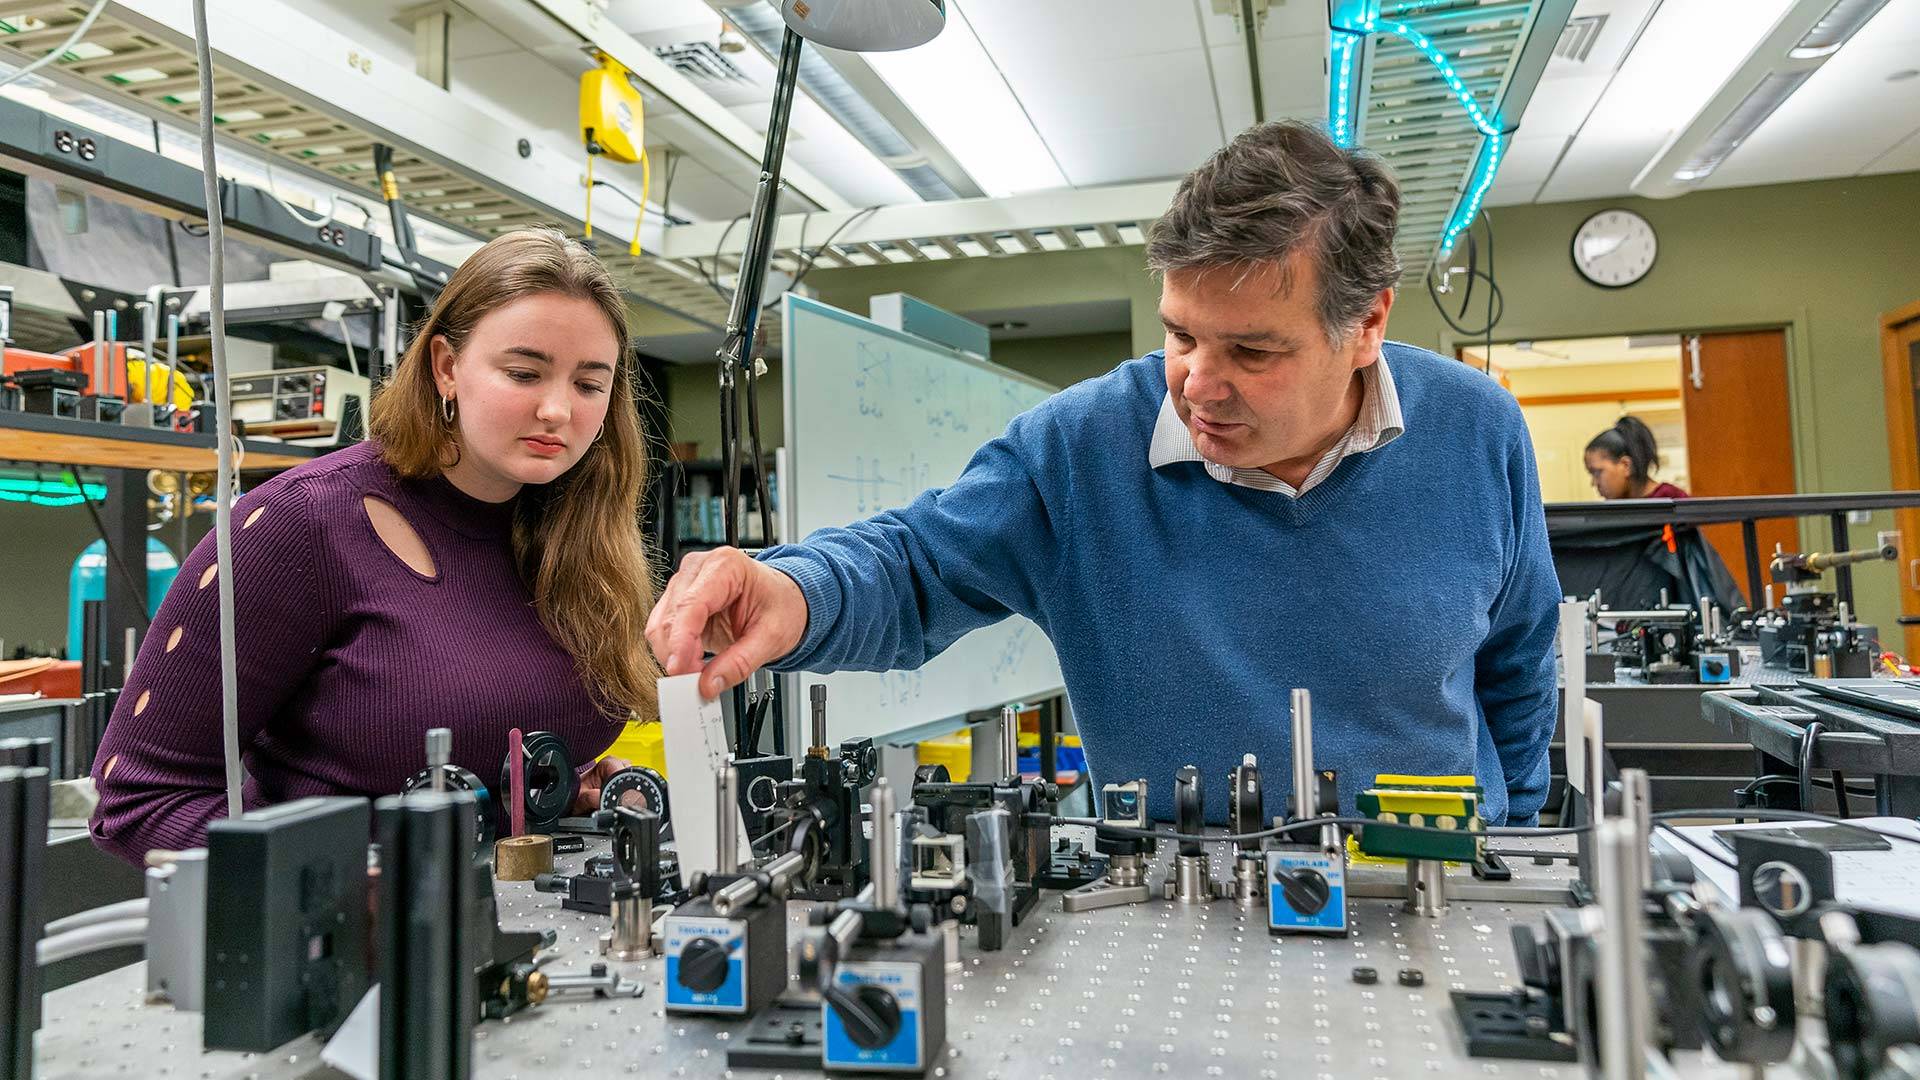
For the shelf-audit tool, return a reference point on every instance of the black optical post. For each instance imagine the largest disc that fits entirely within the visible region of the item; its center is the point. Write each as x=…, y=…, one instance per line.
x=736, y=349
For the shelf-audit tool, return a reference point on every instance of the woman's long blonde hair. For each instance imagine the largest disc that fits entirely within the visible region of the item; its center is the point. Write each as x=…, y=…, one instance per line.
x=576, y=540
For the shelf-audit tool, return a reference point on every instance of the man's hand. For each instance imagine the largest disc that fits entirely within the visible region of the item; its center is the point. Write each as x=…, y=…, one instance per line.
x=587, y=800
x=721, y=601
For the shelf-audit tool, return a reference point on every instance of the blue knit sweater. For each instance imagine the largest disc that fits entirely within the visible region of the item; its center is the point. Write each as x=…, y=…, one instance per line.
x=1411, y=591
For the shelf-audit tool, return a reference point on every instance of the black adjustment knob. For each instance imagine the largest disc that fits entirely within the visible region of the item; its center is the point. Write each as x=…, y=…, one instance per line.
x=872, y=1017
x=703, y=965
x=1306, y=892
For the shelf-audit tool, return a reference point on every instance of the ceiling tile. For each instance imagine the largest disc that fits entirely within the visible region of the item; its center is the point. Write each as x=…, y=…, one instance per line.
x=1107, y=31
x=1529, y=160
x=1152, y=151
x=1559, y=106
x=1512, y=192
x=1904, y=157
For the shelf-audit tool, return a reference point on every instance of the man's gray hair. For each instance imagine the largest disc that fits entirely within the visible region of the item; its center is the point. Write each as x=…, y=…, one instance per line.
x=1281, y=187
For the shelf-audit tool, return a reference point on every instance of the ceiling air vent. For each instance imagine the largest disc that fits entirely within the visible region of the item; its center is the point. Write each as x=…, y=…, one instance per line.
x=1576, y=41
x=700, y=60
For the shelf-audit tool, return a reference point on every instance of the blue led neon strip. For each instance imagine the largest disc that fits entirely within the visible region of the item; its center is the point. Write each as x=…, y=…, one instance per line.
x=47, y=492
x=1345, y=126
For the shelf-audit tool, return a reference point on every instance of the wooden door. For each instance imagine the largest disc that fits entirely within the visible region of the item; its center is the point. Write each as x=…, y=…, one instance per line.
x=1900, y=359
x=1740, y=433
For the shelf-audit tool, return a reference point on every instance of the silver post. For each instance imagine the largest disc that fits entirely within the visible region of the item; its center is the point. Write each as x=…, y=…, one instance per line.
x=439, y=753
x=727, y=821
x=1636, y=808
x=389, y=332
x=743, y=891
x=148, y=331
x=845, y=929
x=1010, y=745
x=817, y=697
x=1303, y=774
x=1769, y=590
x=885, y=856
x=1426, y=888
x=132, y=649
x=632, y=934
x=1623, y=1019
x=1706, y=617
x=99, y=353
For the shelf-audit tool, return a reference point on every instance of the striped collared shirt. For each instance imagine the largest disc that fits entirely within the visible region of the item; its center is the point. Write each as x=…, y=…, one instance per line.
x=1378, y=424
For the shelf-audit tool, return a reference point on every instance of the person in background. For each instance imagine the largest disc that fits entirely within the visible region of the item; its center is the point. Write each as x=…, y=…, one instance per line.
x=1621, y=460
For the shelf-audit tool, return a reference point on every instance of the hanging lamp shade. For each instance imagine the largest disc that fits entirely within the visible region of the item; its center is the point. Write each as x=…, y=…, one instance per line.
x=866, y=25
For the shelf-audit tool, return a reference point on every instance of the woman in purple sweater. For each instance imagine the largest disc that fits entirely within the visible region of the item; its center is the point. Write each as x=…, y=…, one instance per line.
x=477, y=566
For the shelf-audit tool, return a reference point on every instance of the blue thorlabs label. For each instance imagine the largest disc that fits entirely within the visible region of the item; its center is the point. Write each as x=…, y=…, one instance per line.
x=906, y=1052
x=731, y=995
x=1330, y=865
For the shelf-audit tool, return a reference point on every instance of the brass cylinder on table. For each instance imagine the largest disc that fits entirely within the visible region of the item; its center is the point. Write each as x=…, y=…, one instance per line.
x=522, y=858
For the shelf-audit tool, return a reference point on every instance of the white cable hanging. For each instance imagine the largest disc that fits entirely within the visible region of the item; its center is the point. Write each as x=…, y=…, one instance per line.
x=222, y=413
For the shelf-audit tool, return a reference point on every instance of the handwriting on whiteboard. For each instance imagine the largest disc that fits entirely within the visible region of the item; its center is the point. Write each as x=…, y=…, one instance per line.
x=1013, y=651
x=879, y=486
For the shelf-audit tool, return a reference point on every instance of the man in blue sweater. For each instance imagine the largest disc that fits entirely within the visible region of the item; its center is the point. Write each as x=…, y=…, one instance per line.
x=1280, y=498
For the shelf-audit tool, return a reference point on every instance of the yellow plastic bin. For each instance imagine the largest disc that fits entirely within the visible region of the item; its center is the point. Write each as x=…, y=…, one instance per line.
x=641, y=743
x=954, y=751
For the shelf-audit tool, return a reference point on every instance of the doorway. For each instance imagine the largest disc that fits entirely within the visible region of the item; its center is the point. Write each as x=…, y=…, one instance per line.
x=1717, y=403
x=1900, y=365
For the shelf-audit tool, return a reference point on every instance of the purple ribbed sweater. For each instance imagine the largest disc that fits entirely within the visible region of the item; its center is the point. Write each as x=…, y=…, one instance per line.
x=346, y=656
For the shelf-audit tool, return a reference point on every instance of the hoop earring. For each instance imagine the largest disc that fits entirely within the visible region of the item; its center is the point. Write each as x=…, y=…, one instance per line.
x=446, y=409
x=601, y=434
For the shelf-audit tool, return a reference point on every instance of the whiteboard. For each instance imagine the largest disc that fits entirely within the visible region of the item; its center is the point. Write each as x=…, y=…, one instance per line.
x=874, y=417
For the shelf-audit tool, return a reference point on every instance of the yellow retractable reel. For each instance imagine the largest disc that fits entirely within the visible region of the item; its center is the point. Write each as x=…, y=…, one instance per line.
x=613, y=123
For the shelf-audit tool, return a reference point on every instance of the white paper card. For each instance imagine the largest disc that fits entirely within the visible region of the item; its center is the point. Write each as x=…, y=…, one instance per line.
x=695, y=732
x=1573, y=679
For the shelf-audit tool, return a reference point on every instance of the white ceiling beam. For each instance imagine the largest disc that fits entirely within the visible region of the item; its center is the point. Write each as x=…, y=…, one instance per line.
x=1051, y=210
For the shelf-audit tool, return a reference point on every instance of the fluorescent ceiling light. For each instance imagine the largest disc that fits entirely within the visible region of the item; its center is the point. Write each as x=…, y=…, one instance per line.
x=956, y=90
x=1797, y=42
x=1745, y=119
x=1840, y=23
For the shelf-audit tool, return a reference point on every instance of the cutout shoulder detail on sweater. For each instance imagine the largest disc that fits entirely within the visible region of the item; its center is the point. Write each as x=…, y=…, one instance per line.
x=146, y=698
x=253, y=517
x=173, y=639
x=399, y=536
x=206, y=576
